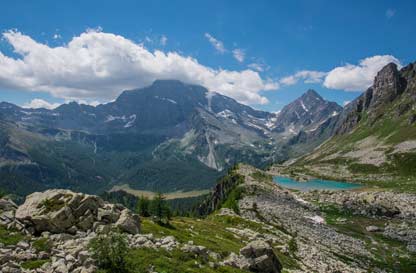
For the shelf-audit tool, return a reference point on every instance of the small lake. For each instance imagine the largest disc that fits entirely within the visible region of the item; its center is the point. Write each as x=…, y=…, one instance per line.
x=314, y=184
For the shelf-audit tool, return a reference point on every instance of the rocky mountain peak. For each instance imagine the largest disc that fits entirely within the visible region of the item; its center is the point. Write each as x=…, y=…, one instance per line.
x=312, y=94
x=388, y=84
x=308, y=110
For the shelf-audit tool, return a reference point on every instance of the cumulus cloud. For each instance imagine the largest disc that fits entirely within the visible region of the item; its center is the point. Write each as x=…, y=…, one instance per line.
x=358, y=77
x=307, y=76
x=98, y=66
x=40, y=103
x=217, y=44
x=239, y=55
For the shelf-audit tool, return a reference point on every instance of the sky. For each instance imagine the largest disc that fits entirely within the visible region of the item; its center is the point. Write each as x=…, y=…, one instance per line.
x=261, y=53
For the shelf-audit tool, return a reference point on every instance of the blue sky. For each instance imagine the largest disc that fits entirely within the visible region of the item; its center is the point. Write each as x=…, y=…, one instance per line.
x=280, y=37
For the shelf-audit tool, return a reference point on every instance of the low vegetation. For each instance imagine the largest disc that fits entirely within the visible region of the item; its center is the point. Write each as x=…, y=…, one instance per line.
x=262, y=176
x=34, y=264
x=10, y=237
x=42, y=244
x=388, y=253
x=110, y=252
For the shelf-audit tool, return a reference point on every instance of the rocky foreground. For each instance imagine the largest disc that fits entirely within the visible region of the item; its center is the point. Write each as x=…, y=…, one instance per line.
x=253, y=226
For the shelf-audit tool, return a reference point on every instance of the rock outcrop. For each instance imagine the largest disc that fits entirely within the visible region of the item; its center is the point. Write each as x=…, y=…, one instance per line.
x=63, y=211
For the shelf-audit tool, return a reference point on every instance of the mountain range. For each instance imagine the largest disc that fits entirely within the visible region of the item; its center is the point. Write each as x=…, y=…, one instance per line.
x=173, y=136
x=169, y=136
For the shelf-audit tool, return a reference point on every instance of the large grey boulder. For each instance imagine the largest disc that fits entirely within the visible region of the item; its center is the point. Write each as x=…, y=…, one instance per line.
x=128, y=222
x=64, y=211
x=257, y=256
x=261, y=257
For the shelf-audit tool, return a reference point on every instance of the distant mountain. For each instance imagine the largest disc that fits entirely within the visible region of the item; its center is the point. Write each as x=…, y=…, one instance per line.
x=305, y=113
x=168, y=136
x=374, y=137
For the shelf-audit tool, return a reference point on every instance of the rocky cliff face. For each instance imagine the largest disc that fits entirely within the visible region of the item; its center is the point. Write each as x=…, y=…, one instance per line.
x=388, y=86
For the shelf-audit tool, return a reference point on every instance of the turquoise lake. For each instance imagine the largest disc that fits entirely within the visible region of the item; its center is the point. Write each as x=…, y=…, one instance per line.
x=314, y=184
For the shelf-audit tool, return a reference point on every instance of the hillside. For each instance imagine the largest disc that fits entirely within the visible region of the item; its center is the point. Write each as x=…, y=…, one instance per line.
x=250, y=224
x=374, y=137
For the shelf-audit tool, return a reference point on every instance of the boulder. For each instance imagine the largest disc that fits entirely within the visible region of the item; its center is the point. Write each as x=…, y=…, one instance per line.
x=372, y=228
x=257, y=256
x=64, y=211
x=128, y=222
x=7, y=205
x=261, y=257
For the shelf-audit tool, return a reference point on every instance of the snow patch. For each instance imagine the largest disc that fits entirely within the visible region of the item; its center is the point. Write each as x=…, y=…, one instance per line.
x=316, y=219
x=131, y=122
x=300, y=200
x=110, y=118
x=225, y=114
x=166, y=99
x=303, y=106
x=209, y=96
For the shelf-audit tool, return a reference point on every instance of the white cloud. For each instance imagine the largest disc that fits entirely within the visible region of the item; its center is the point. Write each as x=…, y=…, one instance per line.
x=239, y=55
x=163, y=40
x=259, y=66
x=358, y=77
x=390, y=13
x=98, y=66
x=307, y=76
x=256, y=66
x=40, y=103
x=56, y=36
x=218, y=45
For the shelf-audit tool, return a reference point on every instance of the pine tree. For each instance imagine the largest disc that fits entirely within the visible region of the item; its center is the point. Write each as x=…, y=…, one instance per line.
x=143, y=206
x=159, y=209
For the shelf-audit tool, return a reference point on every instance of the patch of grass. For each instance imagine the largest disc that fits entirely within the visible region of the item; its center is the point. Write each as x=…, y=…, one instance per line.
x=176, y=261
x=363, y=168
x=42, y=244
x=10, y=237
x=34, y=264
x=210, y=233
x=262, y=176
x=404, y=163
x=52, y=204
x=287, y=261
x=293, y=246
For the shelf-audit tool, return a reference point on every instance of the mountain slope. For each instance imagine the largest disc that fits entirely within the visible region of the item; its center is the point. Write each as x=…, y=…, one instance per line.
x=375, y=136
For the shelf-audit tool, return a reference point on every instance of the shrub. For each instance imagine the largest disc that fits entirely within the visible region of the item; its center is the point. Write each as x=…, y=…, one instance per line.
x=42, y=244
x=110, y=252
